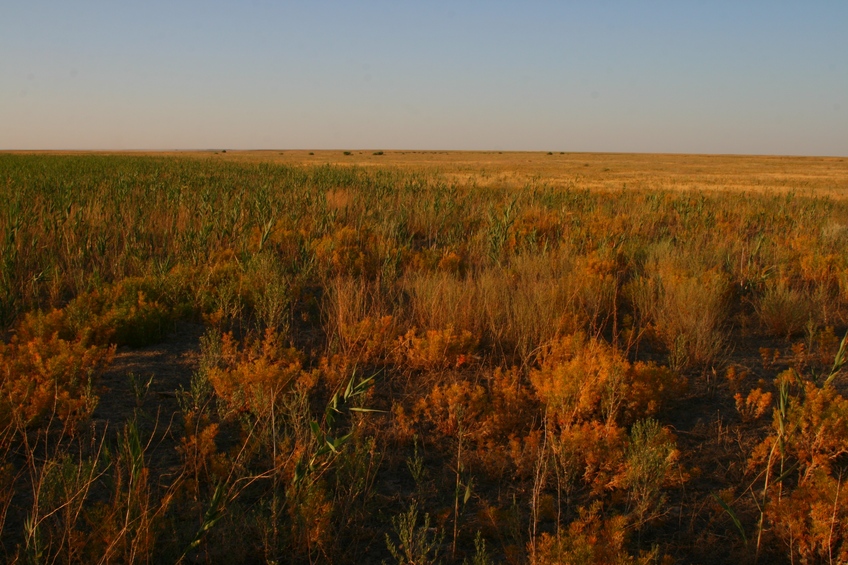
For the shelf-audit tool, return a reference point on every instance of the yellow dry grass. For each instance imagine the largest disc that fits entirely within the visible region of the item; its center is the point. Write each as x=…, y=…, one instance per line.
x=819, y=176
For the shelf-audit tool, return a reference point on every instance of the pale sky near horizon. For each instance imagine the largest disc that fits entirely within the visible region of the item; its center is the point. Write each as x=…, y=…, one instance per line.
x=752, y=77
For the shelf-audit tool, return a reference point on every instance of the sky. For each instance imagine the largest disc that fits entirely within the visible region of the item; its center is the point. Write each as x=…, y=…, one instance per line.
x=755, y=77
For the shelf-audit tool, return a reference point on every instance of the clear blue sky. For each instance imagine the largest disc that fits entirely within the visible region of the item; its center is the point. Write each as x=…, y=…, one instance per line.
x=684, y=77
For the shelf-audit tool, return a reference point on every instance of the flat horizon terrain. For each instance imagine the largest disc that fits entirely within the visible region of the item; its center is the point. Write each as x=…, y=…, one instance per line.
x=422, y=357
x=806, y=176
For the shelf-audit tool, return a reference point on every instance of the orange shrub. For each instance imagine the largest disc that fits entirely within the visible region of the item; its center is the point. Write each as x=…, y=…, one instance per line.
x=826, y=346
x=135, y=321
x=754, y=405
x=254, y=377
x=580, y=380
x=590, y=539
x=842, y=277
x=535, y=228
x=591, y=453
x=122, y=313
x=813, y=520
x=48, y=375
x=512, y=403
x=199, y=451
x=819, y=268
x=437, y=349
x=369, y=340
x=817, y=428
x=36, y=325
x=496, y=415
x=347, y=252
x=652, y=387
x=451, y=262
x=595, y=288
x=451, y=408
x=524, y=452
x=810, y=429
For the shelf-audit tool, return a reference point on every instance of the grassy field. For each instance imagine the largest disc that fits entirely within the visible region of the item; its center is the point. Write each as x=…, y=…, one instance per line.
x=807, y=176
x=421, y=357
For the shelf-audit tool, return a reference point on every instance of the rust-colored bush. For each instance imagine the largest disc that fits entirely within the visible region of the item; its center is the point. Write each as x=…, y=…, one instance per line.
x=591, y=539
x=47, y=375
x=437, y=349
x=253, y=378
x=580, y=380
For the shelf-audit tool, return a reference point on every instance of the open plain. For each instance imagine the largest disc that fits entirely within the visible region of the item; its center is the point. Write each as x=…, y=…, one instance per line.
x=403, y=356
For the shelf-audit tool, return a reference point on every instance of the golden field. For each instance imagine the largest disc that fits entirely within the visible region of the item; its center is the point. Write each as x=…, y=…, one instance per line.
x=802, y=175
x=421, y=357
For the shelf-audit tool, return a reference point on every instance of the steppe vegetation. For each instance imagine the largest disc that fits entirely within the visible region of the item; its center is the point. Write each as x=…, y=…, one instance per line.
x=214, y=359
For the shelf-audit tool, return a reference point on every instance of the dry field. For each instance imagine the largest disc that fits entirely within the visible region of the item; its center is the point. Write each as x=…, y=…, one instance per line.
x=422, y=357
x=608, y=171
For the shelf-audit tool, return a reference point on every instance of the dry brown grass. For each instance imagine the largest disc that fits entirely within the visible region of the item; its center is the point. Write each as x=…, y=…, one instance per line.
x=516, y=169
x=380, y=330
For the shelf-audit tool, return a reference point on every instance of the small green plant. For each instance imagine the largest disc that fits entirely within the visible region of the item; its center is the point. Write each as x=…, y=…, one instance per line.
x=417, y=545
x=213, y=514
x=415, y=464
x=140, y=387
x=481, y=555
x=740, y=529
x=649, y=457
